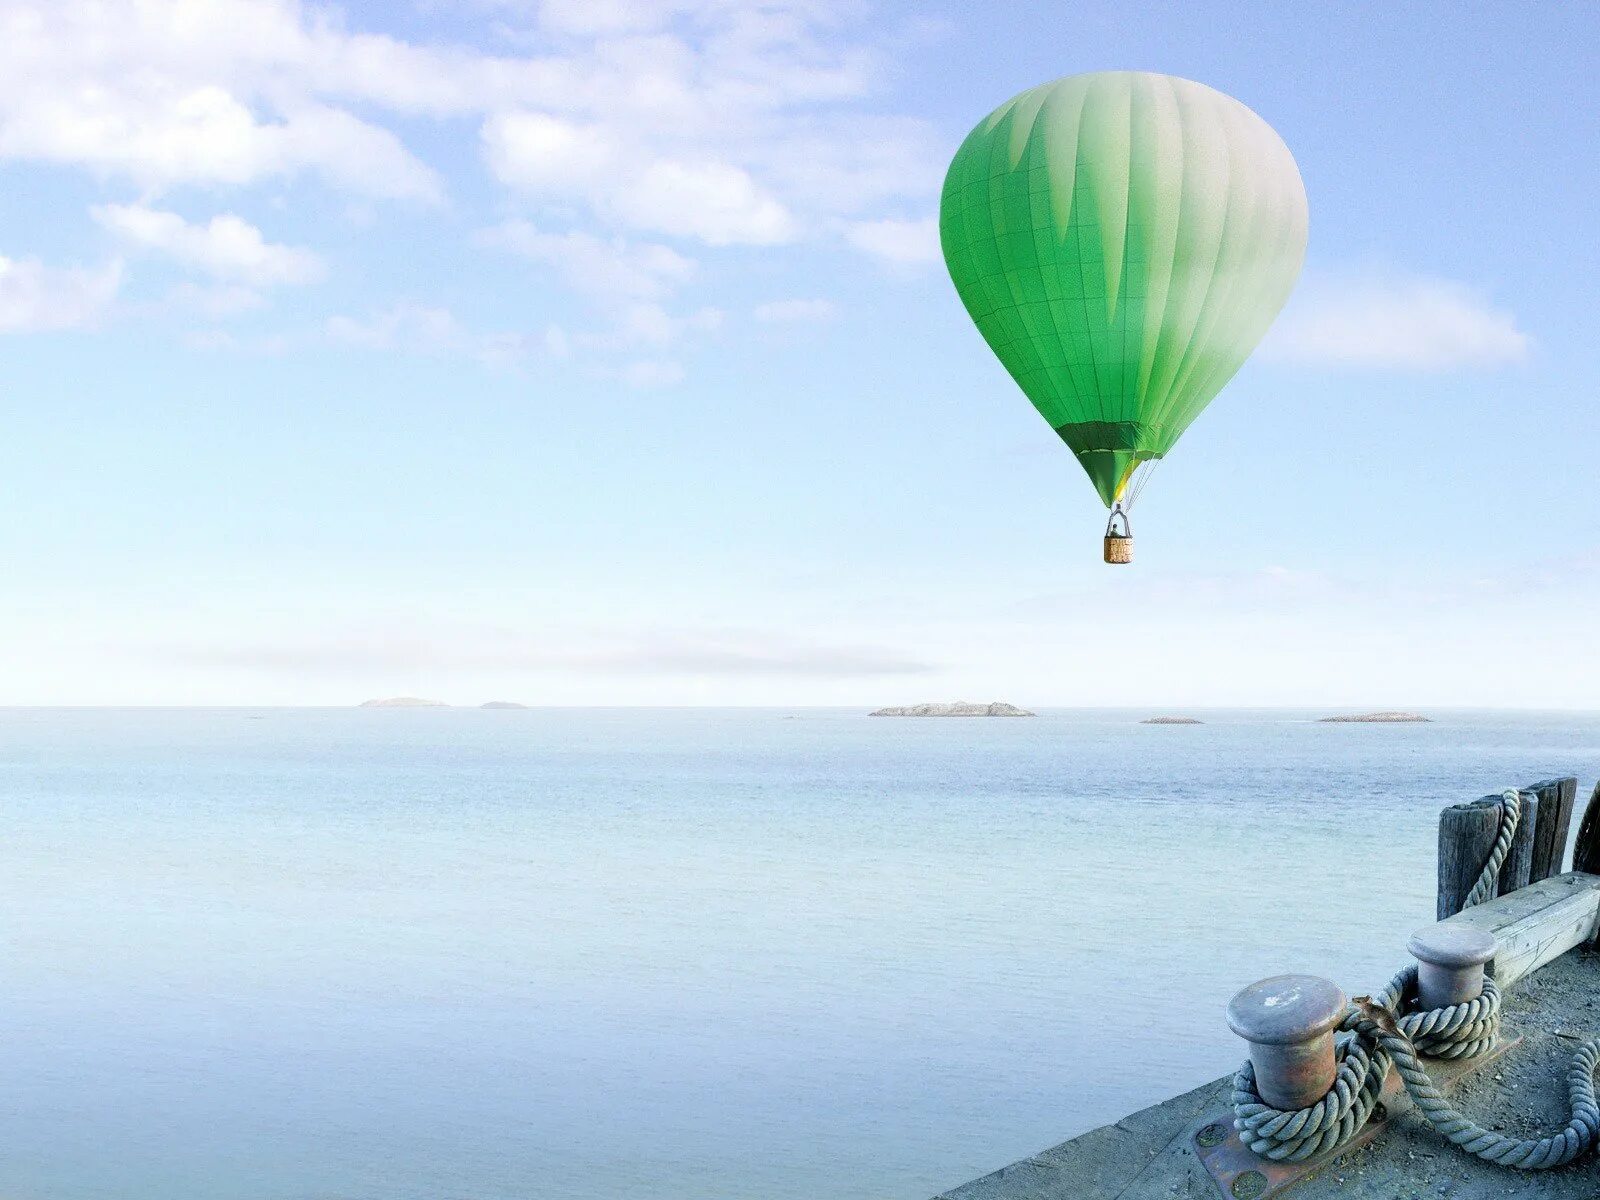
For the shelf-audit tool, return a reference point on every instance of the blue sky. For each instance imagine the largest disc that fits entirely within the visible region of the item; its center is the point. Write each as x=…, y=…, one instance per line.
x=586, y=353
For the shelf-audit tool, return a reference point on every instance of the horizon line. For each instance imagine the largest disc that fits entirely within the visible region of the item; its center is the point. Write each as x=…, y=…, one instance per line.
x=1171, y=709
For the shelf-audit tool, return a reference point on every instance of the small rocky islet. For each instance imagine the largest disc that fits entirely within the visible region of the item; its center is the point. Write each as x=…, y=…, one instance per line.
x=1376, y=718
x=1172, y=721
x=961, y=708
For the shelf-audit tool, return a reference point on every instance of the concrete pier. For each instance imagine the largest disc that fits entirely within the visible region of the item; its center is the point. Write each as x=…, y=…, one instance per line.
x=1150, y=1154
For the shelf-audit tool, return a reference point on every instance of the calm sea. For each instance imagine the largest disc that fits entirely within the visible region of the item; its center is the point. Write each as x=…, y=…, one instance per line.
x=670, y=954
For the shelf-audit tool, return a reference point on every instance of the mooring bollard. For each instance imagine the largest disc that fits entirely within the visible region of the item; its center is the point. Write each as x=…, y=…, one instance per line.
x=1289, y=1022
x=1450, y=962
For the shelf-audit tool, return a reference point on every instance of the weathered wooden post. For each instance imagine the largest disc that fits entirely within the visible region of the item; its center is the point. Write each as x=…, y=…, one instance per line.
x=1586, y=850
x=1556, y=799
x=1466, y=836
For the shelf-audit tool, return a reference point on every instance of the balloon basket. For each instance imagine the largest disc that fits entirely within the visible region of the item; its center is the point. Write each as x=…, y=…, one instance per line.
x=1119, y=549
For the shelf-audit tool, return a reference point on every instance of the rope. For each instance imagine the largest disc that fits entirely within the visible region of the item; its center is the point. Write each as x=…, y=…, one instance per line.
x=1489, y=877
x=1378, y=1031
x=1456, y=1031
x=1525, y=1154
x=1290, y=1136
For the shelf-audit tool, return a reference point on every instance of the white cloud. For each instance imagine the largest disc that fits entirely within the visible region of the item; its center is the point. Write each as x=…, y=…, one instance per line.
x=411, y=325
x=718, y=203
x=228, y=247
x=539, y=153
x=1396, y=321
x=705, y=199
x=623, y=131
x=845, y=163
x=426, y=329
x=626, y=283
x=795, y=311
x=216, y=301
x=169, y=92
x=625, y=652
x=650, y=324
x=607, y=16
x=35, y=297
x=222, y=340
x=897, y=241
x=162, y=129
x=603, y=267
x=722, y=122
x=649, y=373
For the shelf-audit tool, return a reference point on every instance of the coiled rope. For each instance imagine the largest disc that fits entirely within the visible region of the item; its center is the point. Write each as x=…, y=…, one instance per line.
x=1290, y=1136
x=1378, y=1031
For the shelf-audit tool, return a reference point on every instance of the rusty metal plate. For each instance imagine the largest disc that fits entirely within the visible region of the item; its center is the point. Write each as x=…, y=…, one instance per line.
x=1241, y=1175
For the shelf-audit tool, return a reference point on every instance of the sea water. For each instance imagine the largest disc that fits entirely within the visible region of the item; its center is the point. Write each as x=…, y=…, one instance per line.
x=671, y=954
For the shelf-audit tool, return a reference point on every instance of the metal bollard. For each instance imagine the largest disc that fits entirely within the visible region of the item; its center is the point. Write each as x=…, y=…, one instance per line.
x=1450, y=962
x=1289, y=1021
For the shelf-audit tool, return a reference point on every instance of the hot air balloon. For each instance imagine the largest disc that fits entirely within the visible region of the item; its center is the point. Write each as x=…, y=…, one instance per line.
x=1122, y=240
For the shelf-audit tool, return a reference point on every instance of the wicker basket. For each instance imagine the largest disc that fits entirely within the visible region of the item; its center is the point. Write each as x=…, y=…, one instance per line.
x=1119, y=549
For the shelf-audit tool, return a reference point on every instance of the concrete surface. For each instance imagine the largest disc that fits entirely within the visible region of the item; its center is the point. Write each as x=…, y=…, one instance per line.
x=1149, y=1154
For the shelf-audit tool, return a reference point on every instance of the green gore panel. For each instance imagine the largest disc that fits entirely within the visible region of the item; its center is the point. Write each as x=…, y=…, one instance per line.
x=1122, y=240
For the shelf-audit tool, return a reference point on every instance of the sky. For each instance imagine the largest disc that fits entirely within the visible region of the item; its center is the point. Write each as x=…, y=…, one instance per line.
x=600, y=352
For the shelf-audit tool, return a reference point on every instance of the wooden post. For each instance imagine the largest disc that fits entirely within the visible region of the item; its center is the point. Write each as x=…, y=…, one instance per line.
x=1586, y=850
x=1517, y=868
x=1568, y=801
x=1556, y=797
x=1549, y=791
x=1466, y=835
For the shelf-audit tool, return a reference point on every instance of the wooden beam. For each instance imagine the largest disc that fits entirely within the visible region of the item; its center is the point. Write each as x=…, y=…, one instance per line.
x=1466, y=835
x=1538, y=923
x=1586, y=850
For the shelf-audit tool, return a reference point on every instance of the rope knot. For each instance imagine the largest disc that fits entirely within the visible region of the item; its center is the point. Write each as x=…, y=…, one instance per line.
x=1380, y=1014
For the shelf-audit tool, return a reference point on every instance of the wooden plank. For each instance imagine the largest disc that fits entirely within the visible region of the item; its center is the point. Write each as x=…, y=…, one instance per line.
x=1537, y=923
x=1466, y=835
x=1586, y=850
x=1517, y=868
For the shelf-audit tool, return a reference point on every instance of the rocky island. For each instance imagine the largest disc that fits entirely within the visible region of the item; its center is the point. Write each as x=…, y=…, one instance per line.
x=1376, y=718
x=403, y=702
x=1172, y=721
x=502, y=704
x=960, y=708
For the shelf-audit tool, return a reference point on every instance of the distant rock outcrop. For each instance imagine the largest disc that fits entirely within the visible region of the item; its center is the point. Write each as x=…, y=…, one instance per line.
x=1172, y=721
x=1377, y=718
x=403, y=702
x=959, y=709
x=502, y=704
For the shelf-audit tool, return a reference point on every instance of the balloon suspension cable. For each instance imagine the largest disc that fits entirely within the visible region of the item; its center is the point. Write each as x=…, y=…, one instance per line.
x=1119, y=513
x=1137, y=479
